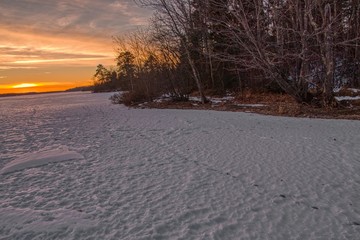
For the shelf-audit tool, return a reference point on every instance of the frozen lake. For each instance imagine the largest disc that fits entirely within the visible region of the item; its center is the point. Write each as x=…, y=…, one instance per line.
x=74, y=166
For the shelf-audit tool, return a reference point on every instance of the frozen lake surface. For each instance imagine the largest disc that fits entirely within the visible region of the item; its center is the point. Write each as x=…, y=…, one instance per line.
x=74, y=166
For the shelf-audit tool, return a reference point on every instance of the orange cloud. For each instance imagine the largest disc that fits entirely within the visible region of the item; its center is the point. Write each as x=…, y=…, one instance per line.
x=27, y=49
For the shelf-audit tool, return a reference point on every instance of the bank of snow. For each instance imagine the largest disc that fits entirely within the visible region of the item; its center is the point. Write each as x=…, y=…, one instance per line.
x=173, y=174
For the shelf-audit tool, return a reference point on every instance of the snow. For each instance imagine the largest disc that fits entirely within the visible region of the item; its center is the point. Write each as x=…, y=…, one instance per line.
x=354, y=90
x=337, y=89
x=173, y=174
x=251, y=105
x=40, y=158
x=49, y=222
x=347, y=98
x=195, y=99
x=213, y=100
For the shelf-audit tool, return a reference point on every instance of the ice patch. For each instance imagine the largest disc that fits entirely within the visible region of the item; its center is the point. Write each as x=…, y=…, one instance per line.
x=40, y=158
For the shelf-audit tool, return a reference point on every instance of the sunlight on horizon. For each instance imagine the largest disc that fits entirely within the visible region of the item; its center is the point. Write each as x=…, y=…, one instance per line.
x=25, y=85
x=38, y=87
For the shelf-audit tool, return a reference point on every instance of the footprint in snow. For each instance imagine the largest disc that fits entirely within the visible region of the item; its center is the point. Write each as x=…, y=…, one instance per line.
x=279, y=199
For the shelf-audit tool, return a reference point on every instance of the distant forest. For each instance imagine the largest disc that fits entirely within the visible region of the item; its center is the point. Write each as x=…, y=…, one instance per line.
x=304, y=48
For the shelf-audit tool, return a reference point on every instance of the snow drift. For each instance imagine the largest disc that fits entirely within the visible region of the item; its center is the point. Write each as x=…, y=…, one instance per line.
x=40, y=158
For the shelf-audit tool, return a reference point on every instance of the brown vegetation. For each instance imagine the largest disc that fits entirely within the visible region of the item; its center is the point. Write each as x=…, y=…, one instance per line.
x=275, y=104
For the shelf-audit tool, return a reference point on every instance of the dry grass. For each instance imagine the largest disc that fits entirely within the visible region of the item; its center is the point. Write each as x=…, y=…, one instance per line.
x=275, y=104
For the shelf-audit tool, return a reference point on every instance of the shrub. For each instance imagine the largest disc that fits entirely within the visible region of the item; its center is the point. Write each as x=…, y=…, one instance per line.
x=128, y=98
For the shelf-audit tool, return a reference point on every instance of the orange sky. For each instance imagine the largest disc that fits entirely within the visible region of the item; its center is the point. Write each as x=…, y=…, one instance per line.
x=57, y=45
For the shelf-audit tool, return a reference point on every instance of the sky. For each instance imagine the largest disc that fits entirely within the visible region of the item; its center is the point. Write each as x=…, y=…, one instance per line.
x=49, y=45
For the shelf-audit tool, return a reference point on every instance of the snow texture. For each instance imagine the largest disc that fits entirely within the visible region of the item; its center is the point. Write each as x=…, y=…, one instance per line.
x=173, y=174
x=40, y=158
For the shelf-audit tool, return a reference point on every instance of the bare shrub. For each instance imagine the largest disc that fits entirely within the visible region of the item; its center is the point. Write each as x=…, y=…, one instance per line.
x=129, y=98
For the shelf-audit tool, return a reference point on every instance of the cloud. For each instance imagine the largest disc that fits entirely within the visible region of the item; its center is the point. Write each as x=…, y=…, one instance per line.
x=76, y=35
x=44, y=54
x=8, y=67
x=26, y=49
x=79, y=17
x=138, y=21
x=67, y=20
x=67, y=61
x=120, y=5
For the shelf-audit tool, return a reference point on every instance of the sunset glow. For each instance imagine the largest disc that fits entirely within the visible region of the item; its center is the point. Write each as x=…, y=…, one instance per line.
x=38, y=87
x=60, y=42
x=25, y=85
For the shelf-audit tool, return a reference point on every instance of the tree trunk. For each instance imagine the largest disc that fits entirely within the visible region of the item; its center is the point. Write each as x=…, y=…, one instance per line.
x=328, y=59
x=196, y=77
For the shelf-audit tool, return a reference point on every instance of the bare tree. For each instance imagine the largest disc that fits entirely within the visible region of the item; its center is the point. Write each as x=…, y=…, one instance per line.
x=289, y=41
x=146, y=68
x=176, y=19
x=170, y=53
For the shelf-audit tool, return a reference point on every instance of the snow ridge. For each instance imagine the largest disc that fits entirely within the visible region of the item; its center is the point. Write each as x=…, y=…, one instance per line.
x=40, y=158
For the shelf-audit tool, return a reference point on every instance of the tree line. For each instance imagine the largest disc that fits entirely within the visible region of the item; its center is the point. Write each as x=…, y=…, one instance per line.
x=304, y=48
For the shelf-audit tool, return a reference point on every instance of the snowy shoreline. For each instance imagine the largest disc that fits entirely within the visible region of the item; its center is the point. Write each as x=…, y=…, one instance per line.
x=170, y=174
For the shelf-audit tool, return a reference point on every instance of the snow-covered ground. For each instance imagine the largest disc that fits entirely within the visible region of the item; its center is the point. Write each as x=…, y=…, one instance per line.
x=74, y=166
